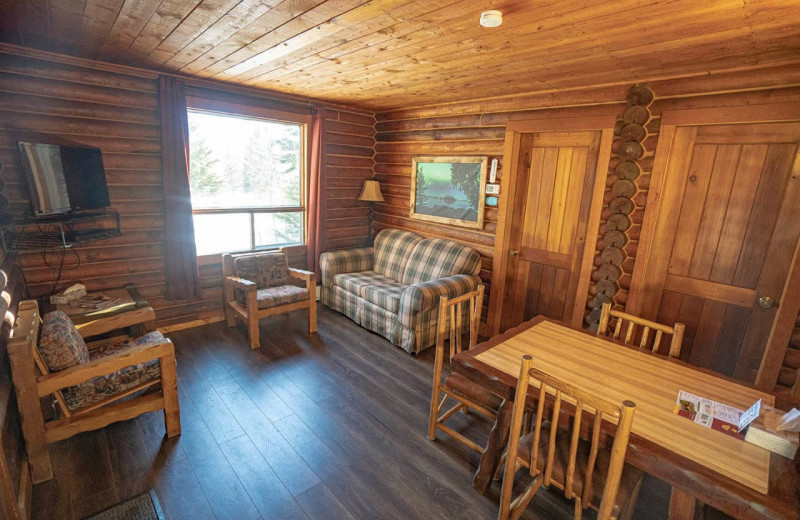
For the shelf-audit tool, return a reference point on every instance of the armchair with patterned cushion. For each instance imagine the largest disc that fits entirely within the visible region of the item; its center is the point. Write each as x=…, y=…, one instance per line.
x=93, y=384
x=256, y=285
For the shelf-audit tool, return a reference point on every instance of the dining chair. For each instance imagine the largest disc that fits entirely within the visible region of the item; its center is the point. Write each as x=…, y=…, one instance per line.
x=675, y=331
x=585, y=470
x=467, y=394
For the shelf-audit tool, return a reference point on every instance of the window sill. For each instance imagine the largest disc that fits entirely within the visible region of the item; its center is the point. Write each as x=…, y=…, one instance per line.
x=216, y=258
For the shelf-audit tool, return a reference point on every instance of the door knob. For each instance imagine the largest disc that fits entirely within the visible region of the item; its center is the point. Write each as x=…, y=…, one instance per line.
x=765, y=302
x=513, y=252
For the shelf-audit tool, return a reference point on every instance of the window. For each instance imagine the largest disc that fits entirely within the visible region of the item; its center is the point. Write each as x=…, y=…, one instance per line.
x=246, y=179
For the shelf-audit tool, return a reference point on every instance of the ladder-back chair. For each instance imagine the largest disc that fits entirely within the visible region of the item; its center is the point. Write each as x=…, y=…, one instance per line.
x=468, y=395
x=647, y=326
x=558, y=456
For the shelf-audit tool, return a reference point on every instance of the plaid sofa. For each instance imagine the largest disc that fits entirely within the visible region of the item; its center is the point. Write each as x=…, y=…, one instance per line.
x=394, y=287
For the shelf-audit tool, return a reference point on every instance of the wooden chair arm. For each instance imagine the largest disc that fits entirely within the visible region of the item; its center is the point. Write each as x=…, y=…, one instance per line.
x=302, y=274
x=47, y=384
x=125, y=316
x=241, y=283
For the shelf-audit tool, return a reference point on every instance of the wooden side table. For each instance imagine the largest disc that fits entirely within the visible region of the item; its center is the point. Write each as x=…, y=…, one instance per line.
x=131, y=312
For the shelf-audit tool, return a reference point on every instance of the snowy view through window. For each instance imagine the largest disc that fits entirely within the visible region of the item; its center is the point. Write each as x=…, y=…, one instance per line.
x=245, y=179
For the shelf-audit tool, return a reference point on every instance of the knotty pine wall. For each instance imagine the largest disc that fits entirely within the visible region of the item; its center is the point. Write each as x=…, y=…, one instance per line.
x=116, y=109
x=478, y=128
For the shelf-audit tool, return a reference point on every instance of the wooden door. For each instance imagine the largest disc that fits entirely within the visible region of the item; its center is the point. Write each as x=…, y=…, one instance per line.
x=725, y=233
x=549, y=210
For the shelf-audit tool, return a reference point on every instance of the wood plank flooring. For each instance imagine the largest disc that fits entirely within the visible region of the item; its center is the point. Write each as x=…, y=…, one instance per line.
x=326, y=426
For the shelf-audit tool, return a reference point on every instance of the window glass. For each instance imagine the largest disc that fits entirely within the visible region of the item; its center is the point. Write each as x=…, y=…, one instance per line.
x=239, y=163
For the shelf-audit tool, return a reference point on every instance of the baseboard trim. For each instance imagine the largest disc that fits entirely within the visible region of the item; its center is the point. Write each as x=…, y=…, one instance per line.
x=191, y=324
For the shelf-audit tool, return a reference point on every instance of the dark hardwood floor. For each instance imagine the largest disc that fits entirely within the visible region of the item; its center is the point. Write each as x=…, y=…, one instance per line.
x=325, y=426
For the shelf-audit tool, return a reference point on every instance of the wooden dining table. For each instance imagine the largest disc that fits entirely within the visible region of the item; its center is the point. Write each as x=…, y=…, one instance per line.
x=701, y=464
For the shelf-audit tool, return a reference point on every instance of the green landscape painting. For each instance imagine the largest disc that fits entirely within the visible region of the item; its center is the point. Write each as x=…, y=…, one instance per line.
x=449, y=191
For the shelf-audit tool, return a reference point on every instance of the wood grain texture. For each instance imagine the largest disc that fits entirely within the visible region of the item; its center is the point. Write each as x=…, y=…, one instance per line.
x=118, y=111
x=689, y=473
x=388, y=53
x=324, y=426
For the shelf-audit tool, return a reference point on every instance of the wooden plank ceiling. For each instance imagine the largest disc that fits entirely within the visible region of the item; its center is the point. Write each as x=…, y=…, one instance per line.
x=382, y=54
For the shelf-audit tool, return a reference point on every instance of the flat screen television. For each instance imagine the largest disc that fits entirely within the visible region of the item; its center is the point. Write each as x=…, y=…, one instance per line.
x=62, y=179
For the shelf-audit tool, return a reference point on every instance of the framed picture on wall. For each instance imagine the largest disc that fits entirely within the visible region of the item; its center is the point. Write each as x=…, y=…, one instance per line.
x=448, y=190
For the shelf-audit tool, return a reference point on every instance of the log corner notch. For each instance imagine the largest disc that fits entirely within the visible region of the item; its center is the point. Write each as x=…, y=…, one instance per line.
x=623, y=203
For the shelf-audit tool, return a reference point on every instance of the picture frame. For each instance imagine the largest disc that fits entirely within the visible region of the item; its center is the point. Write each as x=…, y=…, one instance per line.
x=492, y=189
x=448, y=190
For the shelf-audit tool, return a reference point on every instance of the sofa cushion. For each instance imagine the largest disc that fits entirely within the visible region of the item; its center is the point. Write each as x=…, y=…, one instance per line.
x=435, y=258
x=60, y=344
x=393, y=248
x=265, y=269
x=355, y=282
x=386, y=296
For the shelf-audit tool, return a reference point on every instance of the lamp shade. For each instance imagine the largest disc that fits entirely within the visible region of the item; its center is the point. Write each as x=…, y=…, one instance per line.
x=371, y=192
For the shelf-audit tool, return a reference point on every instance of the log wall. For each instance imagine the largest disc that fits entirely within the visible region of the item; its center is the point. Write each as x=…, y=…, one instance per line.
x=478, y=128
x=116, y=109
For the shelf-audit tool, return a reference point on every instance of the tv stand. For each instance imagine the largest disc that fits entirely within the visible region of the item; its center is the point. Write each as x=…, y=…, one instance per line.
x=59, y=232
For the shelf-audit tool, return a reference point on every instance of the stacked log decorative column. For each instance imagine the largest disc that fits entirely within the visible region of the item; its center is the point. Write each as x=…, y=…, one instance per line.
x=626, y=191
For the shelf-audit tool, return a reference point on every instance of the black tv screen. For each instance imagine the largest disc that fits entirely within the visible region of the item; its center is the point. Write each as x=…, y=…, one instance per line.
x=64, y=178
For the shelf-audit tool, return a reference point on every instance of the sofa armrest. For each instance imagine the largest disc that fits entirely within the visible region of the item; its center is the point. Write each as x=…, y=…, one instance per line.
x=49, y=383
x=425, y=296
x=345, y=261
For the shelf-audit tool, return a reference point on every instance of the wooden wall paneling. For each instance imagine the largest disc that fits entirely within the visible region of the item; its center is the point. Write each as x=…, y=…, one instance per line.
x=628, y=182
x=783, y=345
x=48, y=97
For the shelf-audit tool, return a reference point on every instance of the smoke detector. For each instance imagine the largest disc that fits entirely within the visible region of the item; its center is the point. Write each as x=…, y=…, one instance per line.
x=491, y=18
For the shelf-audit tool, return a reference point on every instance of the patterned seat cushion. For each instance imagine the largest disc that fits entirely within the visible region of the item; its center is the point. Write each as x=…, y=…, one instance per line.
x=102, y=387
x=276, y=296
x=386, y=296
x=393, y=248
x=435, y=258
x=265, y=269
x=60, y=344
x=356, y=282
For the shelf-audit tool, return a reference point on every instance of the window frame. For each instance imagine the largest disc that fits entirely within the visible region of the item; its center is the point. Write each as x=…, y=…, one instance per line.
x=241, y=110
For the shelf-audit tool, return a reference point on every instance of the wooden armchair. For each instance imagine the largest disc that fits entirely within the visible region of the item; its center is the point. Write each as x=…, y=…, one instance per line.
x=89, y=393
x=255, y=285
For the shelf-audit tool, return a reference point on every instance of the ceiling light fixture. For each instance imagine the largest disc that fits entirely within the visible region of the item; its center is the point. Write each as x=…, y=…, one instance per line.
x=491, y=18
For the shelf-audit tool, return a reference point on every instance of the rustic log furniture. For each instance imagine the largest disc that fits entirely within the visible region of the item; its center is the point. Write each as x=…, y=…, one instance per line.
x=465, y=392
x=588, y=474
x=631, y=332
x=266, y=292
x=737, y=478
x=33, y=380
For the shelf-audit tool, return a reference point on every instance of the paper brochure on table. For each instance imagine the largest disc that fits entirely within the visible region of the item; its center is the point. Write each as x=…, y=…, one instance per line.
x=710, y=414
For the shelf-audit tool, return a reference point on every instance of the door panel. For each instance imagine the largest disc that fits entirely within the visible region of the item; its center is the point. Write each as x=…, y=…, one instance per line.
x=553, y=194
x=725, y=235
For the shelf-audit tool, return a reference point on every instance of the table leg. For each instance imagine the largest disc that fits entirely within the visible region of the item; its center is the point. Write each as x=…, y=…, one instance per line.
x=682, y=505
x=494, y=448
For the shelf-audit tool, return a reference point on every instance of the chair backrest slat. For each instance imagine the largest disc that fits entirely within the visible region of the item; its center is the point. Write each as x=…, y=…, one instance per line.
x=676, y=331
x=584, y=402
x=451, y=320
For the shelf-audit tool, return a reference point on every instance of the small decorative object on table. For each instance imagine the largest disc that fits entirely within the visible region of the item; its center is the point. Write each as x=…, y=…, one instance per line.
x=776, y=431
x=70, y=294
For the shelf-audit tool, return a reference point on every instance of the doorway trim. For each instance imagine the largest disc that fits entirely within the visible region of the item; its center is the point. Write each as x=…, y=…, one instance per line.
x=514, y=130
x=778, y=339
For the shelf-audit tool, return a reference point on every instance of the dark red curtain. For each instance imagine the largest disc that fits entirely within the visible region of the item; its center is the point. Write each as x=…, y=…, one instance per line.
x=181, y=254
x=316, y=189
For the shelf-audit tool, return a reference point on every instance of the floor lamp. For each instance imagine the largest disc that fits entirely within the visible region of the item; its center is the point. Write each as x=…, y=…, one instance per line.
x=371, y=192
